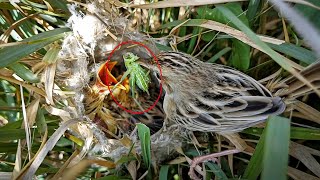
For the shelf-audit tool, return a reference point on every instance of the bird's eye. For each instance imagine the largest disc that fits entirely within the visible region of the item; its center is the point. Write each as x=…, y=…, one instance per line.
x=92, y=77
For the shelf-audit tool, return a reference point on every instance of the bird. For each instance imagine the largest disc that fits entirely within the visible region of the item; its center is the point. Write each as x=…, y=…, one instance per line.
x=209, y=97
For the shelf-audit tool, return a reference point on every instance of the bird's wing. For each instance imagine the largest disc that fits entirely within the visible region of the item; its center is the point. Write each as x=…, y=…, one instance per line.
x=234, y=103
x=234, y=114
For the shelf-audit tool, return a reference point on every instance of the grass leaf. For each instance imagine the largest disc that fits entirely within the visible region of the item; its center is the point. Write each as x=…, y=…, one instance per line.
x=24, y=72
x=220, y=175
x=295, y=133
x=163, y=175
x=254, y=167
x=296, y=52
x=144, y=135
x=30, y=45
x=275, y=161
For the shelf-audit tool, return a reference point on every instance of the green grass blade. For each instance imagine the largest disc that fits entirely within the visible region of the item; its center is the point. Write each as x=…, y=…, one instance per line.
x=8, y=100
x=15, y=53
x=220, y=175
x=219, y=54
x=270, y=138
x=281, y=60
x=144, y=135
x=294, y=51
x=295, y=133
x=240, y=56
x=276, y=149
x=24, y=72
x=8, y=147
x=163, y=174
x=41, y=122
x=60, y=4
x=12, y=125
x=245, y=29
x=11, y=134
x=254, y=167
x=252, y=10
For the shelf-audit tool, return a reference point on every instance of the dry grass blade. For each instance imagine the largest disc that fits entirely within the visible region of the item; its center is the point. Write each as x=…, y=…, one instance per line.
x=132, y=168
x=65, y=165
x=179, y=3
x=297, y=174
x=3, y=121
x=58, y=112
x=27, y=86
x=296, y=88
x=236, y=140
x=32, y=111
x=178, y=160
x=18, y=163
x=308, y=112
x=5, y=36
x=47, y=147
x=74, y=171
x=213, y=25
x=25, y=168
x=304, y=154
x=26, y=124
x=49, y=81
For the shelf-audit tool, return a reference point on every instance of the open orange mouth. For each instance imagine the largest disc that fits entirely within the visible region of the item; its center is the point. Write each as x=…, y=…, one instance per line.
x=105, y=78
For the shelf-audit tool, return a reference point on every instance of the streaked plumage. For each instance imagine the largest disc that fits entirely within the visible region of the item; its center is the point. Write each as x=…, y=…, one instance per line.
x=211, y=97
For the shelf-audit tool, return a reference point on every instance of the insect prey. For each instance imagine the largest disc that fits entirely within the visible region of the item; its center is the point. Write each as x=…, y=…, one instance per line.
x=138, y=76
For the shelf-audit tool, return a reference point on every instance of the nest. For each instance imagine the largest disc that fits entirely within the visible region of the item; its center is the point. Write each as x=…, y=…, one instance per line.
x=107, y=129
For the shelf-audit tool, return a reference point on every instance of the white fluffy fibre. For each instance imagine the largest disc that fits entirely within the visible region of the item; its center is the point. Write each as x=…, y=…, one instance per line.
x=86, y=27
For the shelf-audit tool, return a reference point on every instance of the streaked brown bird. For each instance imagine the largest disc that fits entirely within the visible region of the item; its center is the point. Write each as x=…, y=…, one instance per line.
x=211, y=98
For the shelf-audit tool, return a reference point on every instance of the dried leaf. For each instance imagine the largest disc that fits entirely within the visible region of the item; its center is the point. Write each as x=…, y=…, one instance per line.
x=58, y=112
x=236, y=140
x=32, y=110
x=27, y=86
x=304, y=154
x=47, y=147
x=76, y=170
x=297, y=174
x=179, y=3
x=49, y=75
x=65, y=165
x=6, y=72
x=17, y=164
x=178, y=160
x=132, y=168
x=307, y=111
